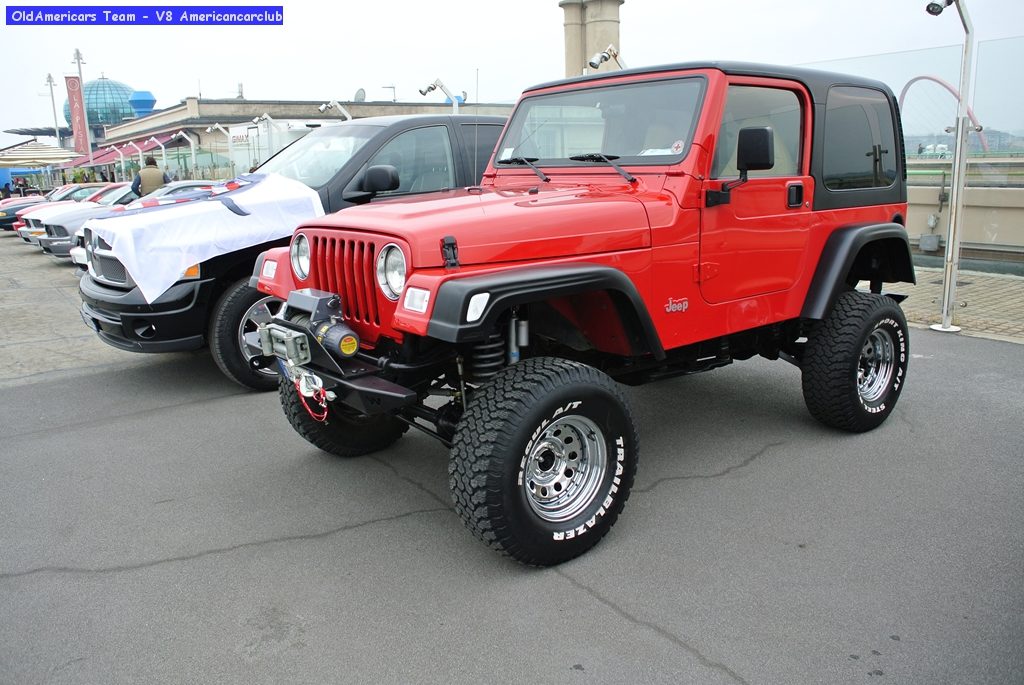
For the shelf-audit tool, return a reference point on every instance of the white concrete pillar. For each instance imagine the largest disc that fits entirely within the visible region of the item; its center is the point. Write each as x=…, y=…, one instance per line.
x=575, y=60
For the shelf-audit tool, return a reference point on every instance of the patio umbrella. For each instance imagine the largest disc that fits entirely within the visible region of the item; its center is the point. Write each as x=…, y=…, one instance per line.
x=34, y=154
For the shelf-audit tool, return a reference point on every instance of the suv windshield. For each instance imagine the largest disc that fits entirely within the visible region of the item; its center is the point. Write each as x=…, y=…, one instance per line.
x=315, y=158
x=635, y=123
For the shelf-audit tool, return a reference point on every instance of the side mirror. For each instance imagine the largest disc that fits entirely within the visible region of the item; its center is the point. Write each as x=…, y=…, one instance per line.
x=381, y=178
x=755, y=149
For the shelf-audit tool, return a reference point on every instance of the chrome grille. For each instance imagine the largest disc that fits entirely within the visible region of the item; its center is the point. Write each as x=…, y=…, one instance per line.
x=33, y=223
x=103, y=266
x=55, y=231
x=348, y=268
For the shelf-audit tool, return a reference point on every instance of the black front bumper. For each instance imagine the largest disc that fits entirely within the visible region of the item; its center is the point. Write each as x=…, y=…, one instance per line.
x=355, y=381
x=175, y=322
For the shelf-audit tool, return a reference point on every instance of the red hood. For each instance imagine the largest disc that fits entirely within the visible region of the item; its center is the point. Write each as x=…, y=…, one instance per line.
x=508, y=224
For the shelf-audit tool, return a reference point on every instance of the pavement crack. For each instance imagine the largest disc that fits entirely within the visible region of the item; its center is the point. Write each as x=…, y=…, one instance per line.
x=705, y=476
x=304, y=537
x=416, y=484
x=671, y=637
x=92, y=423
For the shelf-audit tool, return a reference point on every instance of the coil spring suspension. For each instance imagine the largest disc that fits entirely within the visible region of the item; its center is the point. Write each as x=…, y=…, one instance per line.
x=486, y=359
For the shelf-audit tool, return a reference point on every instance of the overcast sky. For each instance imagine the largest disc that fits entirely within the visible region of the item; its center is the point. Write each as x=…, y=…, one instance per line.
x=327, y=51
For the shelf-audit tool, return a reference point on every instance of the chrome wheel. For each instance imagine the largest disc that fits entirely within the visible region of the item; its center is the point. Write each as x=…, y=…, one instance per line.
x=875, y=366
x=261, y=311
x=564, y=468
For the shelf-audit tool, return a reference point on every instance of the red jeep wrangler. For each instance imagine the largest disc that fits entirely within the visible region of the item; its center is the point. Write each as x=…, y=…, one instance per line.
x=631, y=226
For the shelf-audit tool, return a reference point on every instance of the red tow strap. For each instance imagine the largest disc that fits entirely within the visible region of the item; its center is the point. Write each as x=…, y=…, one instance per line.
x=320, y=396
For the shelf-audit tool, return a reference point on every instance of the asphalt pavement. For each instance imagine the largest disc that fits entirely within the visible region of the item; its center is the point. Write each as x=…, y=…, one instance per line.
x=163, y=525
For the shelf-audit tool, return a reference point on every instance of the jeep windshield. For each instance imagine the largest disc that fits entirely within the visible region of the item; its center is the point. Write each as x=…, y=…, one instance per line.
x=636, y=123
x=315, y=158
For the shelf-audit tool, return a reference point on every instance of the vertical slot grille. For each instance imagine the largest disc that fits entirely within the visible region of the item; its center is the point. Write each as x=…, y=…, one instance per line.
x=347, y=267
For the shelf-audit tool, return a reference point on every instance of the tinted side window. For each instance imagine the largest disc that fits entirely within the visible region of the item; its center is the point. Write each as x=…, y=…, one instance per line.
x=860, y=142
x=749, y=106
x=479, y=141
x=81, y=194
x=423, y=157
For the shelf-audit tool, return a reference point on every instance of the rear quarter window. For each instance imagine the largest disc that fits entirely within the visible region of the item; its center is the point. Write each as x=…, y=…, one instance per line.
x=860, y=149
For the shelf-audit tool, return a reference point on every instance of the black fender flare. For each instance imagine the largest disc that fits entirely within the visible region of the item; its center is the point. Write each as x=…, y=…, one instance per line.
x=532, y=284
x=839, y=259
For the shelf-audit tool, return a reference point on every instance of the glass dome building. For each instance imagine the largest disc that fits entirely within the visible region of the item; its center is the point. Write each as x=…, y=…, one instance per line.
x=106, y=102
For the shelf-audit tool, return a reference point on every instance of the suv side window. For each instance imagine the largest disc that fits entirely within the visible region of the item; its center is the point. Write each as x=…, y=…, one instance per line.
x=423, y=157
x=860, y=142
x=748, y=106
x=478, y=144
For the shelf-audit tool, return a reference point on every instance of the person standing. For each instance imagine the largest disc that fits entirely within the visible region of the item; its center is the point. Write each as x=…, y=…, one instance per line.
x=149, y=178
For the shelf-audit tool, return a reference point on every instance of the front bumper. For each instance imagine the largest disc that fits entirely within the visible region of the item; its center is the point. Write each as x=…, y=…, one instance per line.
x=57, y=246
x=175, y=322
x=299, y=352
x=31, y=235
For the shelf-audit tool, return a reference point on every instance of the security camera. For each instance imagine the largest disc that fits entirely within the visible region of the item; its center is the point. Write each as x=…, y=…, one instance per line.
x=209, y=129
x=935, y=8
x=255, y=120
x=324, y=107
x=598, y=59
x=424, y=91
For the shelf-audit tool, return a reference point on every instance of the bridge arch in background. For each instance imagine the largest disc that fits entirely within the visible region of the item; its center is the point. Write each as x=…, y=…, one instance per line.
x=955, y=93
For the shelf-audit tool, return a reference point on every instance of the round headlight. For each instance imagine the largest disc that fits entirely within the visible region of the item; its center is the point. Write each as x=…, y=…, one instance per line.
x=300, y=256
x=391, y=271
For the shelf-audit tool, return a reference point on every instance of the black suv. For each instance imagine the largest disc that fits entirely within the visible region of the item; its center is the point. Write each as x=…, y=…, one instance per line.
x=355, y=162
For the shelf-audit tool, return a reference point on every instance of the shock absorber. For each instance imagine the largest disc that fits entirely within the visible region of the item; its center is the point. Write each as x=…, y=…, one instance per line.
x=486, y=359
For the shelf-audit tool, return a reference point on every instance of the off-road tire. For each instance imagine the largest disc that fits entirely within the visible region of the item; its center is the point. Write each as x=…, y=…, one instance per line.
x=225, y=321
x=344, y=433
x=537, y=424
x=855, y=363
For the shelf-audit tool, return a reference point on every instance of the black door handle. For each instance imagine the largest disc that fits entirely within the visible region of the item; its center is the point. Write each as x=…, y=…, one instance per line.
x=794, y=195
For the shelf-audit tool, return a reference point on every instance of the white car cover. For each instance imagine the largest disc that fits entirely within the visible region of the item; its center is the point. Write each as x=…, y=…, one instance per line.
x=156, y=245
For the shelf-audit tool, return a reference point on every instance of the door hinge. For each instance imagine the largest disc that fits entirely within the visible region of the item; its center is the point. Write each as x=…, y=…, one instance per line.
x=704, y=271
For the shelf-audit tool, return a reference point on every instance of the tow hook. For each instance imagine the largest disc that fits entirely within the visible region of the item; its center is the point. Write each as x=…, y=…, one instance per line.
x=311, y=386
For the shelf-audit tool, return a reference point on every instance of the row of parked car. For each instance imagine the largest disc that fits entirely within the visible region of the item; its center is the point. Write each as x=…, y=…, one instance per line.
x=54, y=221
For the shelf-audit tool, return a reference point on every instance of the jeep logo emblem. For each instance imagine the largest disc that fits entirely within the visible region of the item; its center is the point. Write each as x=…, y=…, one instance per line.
x=680, y=305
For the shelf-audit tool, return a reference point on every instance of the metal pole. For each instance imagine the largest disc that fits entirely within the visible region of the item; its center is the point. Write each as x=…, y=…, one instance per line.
x=132, y=143
x=958, y=182
x=121, y=157
x=85, y=105
x=192, y=147
x=53, y=101
x=163, y=151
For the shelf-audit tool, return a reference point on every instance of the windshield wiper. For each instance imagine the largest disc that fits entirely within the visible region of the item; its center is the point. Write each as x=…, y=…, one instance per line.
x=601, y=157
x=528, y=161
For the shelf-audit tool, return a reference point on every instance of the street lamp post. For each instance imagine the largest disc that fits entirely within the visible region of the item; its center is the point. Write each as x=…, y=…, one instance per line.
x=85, y=106
x=270, y=131
x=139, y=150
x=334, y=104
x=121, y=156
x=959, y=180
x=438, y=84
x=163, y=151
x=53, y=101
x=192, y=147
x=231, y=149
